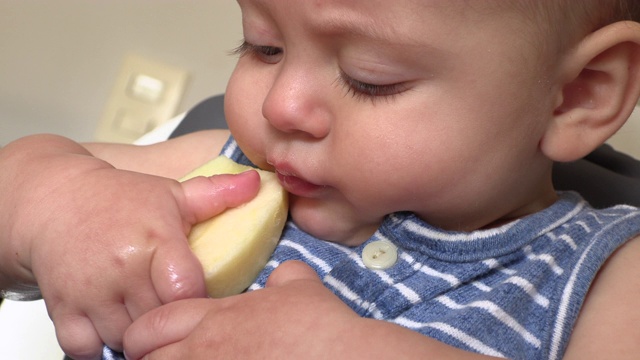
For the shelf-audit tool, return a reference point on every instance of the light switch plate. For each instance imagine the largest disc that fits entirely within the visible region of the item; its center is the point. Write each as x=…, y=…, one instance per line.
x=146, y=94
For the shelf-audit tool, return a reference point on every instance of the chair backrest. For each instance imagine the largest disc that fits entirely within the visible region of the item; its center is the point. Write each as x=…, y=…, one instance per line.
x=605, y=177
x=208, y=114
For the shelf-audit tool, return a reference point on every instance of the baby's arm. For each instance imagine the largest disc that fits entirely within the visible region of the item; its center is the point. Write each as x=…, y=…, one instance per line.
x=607, y=327
x=172, y=158
x=294, y=317
x=104, y=245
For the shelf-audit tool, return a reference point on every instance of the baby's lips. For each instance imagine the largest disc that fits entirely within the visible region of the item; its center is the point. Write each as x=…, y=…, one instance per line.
x=297, y=185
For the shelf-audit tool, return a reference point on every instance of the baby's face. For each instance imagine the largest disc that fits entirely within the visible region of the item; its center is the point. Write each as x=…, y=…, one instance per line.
x=365, y=108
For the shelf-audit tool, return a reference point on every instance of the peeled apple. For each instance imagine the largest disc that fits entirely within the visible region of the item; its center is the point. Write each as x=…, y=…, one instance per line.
x=234, y=246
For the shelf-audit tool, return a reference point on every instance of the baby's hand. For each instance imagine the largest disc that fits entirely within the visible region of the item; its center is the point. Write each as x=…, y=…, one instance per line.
x=127, y=256
x=294, y=317
x=106, y=245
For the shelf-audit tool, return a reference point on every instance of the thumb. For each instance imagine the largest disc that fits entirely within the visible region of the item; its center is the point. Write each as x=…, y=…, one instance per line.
x=205, y=197
x=162, y=326
x=289, y=271
x=175, y=271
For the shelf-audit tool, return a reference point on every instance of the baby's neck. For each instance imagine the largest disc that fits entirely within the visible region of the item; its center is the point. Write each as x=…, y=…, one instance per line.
x=494, y=216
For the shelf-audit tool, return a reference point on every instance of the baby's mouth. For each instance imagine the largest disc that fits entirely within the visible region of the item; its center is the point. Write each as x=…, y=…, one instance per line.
x=297, y=185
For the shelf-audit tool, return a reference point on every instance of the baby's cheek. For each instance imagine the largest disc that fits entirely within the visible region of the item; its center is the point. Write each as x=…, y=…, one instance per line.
x=247, y=135
x=253, y=147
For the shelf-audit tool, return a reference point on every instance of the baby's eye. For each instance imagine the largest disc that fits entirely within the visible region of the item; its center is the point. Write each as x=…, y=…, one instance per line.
x=361, y=89
x=264, y=53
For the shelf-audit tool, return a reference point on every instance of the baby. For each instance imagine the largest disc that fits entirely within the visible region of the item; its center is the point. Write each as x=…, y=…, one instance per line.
x=416, y=139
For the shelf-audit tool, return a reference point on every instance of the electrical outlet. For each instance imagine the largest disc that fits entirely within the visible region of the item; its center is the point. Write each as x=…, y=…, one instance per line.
x=145, y=95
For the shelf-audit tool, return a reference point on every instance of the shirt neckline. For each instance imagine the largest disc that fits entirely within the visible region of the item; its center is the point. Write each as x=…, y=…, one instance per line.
x=408, y=231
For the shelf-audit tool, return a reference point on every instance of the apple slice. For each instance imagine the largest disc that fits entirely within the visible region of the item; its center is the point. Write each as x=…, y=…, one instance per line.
x=235, y=245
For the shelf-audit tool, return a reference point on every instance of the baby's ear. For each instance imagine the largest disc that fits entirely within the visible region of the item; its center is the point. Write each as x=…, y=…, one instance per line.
x=600, y=81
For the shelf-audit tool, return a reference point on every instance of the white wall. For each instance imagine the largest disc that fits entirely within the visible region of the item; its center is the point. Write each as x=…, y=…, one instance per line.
x=59, y=59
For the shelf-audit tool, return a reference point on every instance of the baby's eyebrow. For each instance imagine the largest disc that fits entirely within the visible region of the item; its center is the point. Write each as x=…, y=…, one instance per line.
x=346, y=24
x=340, y=24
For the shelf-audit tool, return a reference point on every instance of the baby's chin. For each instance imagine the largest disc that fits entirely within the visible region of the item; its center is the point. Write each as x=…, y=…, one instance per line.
x=329, y=226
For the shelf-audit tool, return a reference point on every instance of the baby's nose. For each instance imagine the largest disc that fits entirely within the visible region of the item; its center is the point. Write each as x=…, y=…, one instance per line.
x=297, y=103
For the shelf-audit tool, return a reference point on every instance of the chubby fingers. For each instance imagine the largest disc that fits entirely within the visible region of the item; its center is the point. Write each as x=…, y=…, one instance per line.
x=82, y=330
x=163, y=326
x=176, y=272
x=206, y=197
x=78, y=337
x=289, y=271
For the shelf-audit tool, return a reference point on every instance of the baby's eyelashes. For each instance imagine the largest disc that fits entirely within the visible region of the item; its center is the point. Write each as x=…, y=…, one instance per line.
x=360, y=89
x=264, y=53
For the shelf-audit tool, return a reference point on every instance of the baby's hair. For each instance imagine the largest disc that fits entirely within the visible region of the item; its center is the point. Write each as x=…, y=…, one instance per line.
x=625, y=10
x=563, y=23
x=590, y=15
x=595, y=14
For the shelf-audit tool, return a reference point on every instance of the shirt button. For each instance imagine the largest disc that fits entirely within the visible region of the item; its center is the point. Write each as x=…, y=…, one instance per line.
x=379, y=255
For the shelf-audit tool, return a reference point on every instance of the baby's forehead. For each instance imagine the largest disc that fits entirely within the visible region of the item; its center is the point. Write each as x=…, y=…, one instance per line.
x=380, y=16
x=434, y=27
x=412, y=21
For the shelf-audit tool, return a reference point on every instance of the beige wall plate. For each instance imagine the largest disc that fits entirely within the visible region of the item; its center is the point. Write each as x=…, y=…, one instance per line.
x=146, y=94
